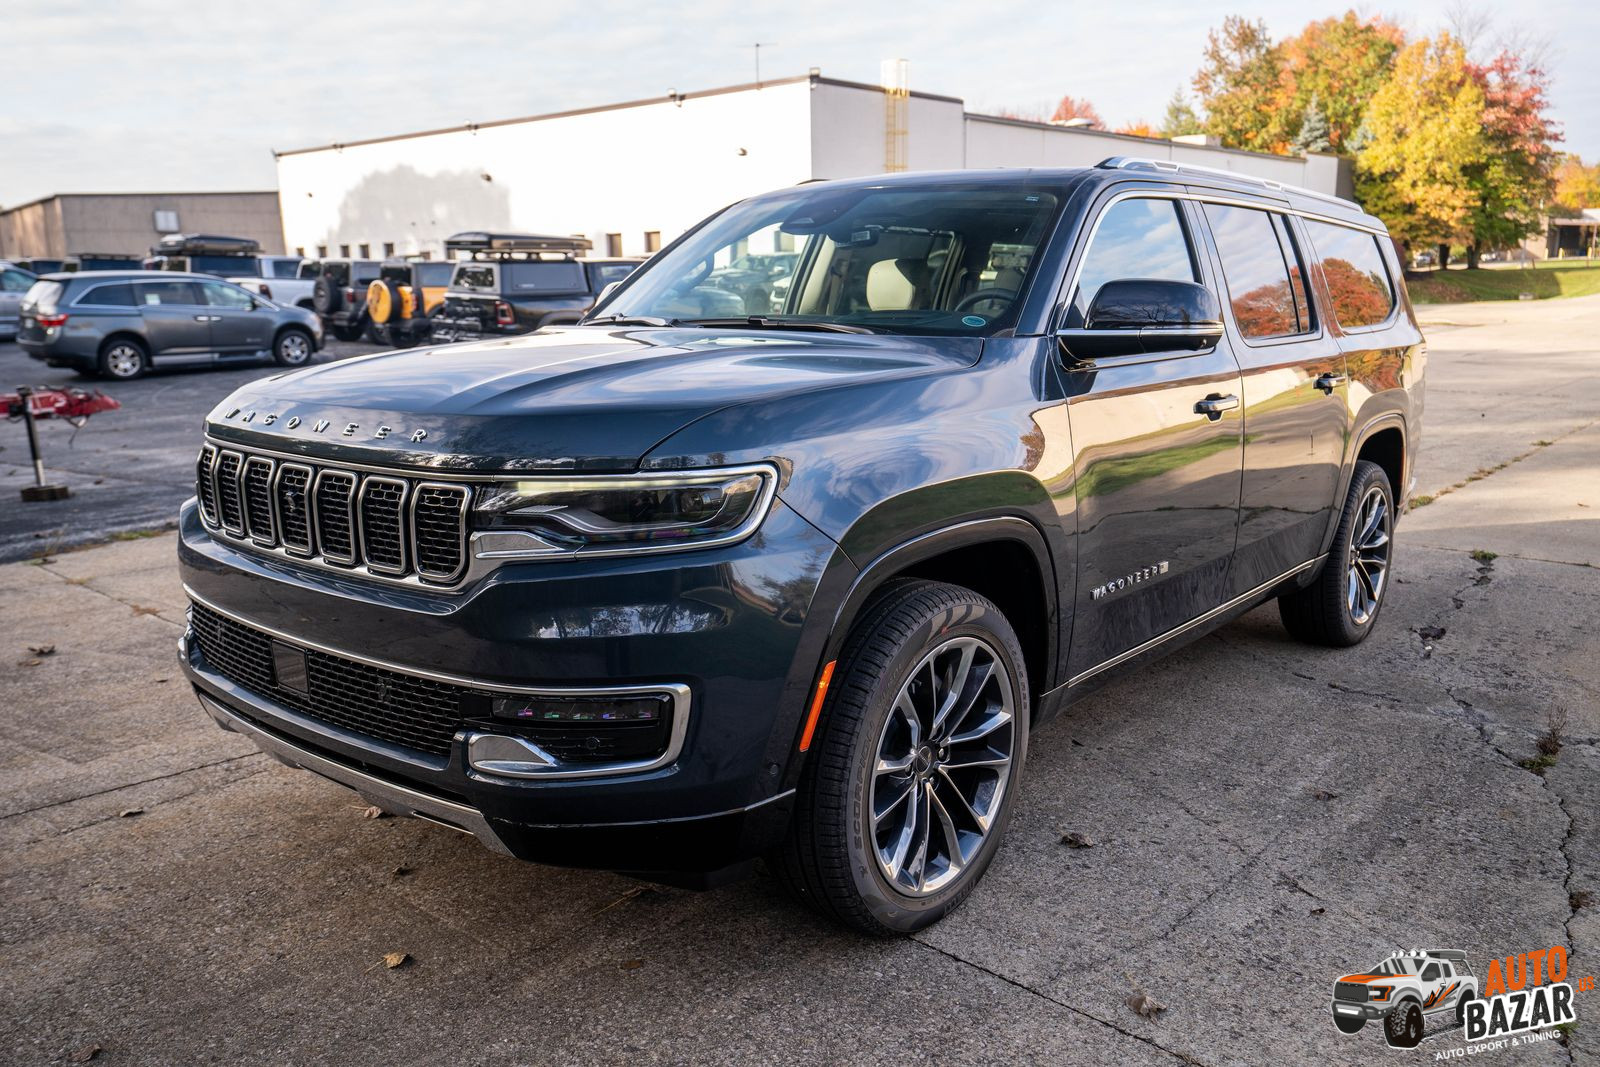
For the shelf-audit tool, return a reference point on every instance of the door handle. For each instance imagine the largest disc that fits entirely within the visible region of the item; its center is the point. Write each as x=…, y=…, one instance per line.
x=1214, y=405
x=1331, y=381
x=208, y=318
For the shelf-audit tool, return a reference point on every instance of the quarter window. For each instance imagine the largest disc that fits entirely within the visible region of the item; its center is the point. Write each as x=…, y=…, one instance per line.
x=226, y=296
x=1262, y=288
x=1358, y=281
x=1135, y=239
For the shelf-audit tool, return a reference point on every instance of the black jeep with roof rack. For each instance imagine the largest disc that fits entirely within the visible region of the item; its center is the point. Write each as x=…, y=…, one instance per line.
x=511, y=283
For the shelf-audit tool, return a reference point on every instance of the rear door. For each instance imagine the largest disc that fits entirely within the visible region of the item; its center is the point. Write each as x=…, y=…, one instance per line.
x=238, y=326
x=1295, y=417
x=1156, y=479
x=177, y=319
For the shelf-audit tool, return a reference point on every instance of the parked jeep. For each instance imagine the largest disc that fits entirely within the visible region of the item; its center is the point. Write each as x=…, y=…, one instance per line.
x=1405, y=991
x=403, y=299
x=665, y=592
x=511, y=283
x=339, y=295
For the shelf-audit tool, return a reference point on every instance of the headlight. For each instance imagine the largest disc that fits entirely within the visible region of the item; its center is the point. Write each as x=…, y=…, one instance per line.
x=623, y=513
x=1378, y=992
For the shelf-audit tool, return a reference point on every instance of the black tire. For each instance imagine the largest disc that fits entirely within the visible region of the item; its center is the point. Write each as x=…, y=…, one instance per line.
x=406, y=334
x=1349, y=1024
x=1402, y=1028
x=123, y=359
x=1321, y=613
x=369, y=332
x=348, y=333
x=293, y=347
x=326, y=298
x=1461, y=1008
x=830, y=859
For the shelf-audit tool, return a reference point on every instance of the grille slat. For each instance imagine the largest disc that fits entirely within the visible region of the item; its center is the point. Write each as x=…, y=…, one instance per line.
x=387, y=526
x=412, y=712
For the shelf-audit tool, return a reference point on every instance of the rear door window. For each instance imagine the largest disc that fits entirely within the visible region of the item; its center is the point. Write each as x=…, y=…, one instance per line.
x=1254, y=265
x=431, y=274
x=285, y=268
x=1138, y=238
x=539, y=277
x=1358, y=279
x=119, y=295
x=162, y=294
x=227, y=296
x=477, y=276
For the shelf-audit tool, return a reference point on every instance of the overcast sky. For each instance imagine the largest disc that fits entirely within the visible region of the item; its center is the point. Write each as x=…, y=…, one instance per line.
x=160, y=95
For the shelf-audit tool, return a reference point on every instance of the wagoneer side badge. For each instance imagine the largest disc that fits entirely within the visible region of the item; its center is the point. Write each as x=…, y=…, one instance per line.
x=294, y=422
x=1117, y=585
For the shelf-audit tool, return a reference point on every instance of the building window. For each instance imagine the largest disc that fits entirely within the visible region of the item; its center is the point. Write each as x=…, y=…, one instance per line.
x=344, y=251
x=613, y=244
x=388, y=248
x=322, y=251
x=166, y=222
x=366, y=250
x=652, y=240
x=300, y=251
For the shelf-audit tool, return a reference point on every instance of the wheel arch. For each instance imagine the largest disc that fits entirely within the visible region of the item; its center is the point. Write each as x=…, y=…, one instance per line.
x=126, y=335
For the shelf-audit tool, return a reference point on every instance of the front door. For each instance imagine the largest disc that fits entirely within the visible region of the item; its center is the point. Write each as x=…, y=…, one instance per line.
x=177, y=319
x=1157, y=443
x=1295, y=415
x=238, y=326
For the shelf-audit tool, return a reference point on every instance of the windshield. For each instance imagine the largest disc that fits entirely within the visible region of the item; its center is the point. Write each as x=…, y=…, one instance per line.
x=937, y=259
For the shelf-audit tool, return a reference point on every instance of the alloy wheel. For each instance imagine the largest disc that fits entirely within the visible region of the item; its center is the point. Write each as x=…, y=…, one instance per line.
x=123, y=360
x=294, y=348
x=1369, y=556
x=941, y=766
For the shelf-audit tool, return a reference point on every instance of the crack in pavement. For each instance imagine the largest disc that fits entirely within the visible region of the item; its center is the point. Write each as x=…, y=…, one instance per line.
x=1484, y=473
x=1181, y=1057
x=131, y=785
x=84, y=584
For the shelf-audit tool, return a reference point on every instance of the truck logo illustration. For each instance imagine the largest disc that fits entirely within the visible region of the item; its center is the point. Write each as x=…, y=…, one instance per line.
x=1408, y=991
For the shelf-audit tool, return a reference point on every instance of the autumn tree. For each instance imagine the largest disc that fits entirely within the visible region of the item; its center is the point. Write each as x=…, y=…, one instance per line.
x=1237, y=83
x=1336, y=63
x=1071, y=108
x=1516, y=178
x=1421, y=144
x=1180, y=120
x=1576, y=186
x=1138, y=129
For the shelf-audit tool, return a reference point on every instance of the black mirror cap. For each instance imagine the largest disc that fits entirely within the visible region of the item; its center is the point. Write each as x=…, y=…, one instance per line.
x=1136, y=303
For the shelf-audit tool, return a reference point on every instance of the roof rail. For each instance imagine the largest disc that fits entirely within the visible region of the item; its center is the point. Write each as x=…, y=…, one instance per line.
x=1143, y=163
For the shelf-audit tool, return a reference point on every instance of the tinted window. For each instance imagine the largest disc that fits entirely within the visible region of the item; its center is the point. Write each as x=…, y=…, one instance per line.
x=285, y=268
x=538, y=277
x=15, y=281
x=338, y=273
x=120, y=295
x=226, y=266
x=160, y=293
x=367, y=270
x=226, y=296
x=310, y=269
x=1254, y=268
x=1135, y=239
x=606, y=273
x=433, y=273
x=1357, y=279
x=474, y=276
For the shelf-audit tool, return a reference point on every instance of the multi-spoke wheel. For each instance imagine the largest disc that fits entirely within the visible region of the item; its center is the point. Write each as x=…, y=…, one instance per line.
x=908, y=784
x=123, y=358
x=292, y=348
x=1342, y=602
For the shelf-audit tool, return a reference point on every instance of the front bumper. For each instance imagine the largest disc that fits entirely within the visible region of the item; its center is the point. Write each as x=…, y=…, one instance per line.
x=1351, y=1010
x=713, y=625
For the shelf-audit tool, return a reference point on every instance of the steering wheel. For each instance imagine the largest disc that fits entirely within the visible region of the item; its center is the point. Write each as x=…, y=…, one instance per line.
x=980, y=296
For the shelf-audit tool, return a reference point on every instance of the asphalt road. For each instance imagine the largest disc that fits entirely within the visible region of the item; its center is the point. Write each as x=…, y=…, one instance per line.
x=1264, y=818
x=128, y=469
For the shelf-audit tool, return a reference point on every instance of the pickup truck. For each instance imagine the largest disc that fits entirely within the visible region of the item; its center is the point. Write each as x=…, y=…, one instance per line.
x=1405, y=990
x=281, y=279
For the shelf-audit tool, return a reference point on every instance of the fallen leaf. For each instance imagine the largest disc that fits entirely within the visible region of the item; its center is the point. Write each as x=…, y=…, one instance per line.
x=1073, y=839
x=627, y=895
x=632, y=965
x=400, y=871
x=127, y=813
x=1317, y=911
x=1146, y=1005
x=392, y=960
x=42, y=650
x=86, y=1053
x=1431, y=633
x=374, y=812
x=29, y=662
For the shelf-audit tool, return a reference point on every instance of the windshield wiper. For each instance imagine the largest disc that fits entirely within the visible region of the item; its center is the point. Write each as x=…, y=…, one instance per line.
x=761, y=322
x=629, y=320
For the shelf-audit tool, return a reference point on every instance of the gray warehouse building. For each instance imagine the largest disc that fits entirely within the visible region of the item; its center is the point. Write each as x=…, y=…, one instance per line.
x=130, y=223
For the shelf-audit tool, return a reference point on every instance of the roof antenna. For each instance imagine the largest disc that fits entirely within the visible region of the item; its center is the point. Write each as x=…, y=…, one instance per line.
x=758, y=46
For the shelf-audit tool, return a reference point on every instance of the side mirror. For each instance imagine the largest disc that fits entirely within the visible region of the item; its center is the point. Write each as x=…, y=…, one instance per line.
x=1137, y=316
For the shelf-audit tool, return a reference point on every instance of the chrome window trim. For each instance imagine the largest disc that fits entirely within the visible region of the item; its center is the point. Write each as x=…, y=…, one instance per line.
x=350, y=514
x=310, y=548
x=402, y=537
x=679, y=692
x=271, y=537
x=238, y=484
x=461, y=525
x=77, y=301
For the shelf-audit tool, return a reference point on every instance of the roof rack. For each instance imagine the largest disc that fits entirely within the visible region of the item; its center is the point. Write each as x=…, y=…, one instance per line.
x=1143, y=163
x=482, y=245
x=199, y=244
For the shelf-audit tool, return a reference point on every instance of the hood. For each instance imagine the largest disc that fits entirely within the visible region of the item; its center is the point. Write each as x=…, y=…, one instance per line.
x=579, y=398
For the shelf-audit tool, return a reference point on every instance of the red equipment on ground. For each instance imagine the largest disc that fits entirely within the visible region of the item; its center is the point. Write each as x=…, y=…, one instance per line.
x=73, y=405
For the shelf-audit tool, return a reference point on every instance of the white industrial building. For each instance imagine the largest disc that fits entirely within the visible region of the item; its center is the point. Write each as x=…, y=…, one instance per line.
x=633, y=176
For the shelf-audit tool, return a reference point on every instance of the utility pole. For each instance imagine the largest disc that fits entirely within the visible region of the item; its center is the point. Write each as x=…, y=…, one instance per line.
x=758, y=46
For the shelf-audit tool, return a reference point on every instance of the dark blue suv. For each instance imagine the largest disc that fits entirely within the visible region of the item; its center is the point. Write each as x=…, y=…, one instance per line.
x=792, y=571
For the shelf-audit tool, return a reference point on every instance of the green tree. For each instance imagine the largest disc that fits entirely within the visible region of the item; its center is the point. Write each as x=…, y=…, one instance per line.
x=1180, y=120
x=1313, y=135
x=1422, y=142
x=1237, y=84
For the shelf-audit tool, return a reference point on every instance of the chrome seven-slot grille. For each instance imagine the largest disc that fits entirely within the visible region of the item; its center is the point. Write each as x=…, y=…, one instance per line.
x=392, y=526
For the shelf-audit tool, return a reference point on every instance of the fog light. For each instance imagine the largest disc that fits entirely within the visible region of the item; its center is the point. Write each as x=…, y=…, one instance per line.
x=583, y=710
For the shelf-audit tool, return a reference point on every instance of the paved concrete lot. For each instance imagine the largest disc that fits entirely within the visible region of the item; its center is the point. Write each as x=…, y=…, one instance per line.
x=1264, y=818
x=128, y=469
